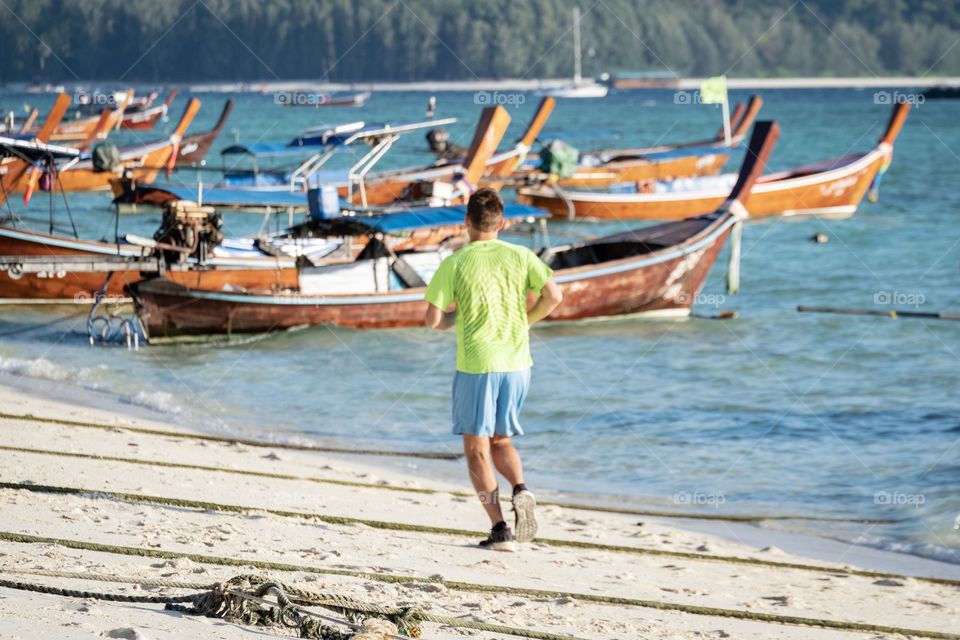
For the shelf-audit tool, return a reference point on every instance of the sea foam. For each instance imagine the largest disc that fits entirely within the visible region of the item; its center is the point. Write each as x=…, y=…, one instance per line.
x=44, y=369
x=160, y=401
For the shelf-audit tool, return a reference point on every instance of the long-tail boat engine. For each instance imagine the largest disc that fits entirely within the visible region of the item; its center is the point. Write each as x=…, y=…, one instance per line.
x=188, y=231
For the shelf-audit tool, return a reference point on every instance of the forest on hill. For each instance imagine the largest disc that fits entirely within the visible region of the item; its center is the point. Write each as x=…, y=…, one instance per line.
x=405, y=40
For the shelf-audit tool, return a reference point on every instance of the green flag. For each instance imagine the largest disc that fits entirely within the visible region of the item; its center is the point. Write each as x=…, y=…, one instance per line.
x=714, y=90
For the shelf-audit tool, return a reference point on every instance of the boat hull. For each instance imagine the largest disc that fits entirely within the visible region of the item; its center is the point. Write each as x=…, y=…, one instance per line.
x=75, y=130
x=144, y=166
x=143, y=120
x=250, y=273
x=645, y=170
x=836, y=193
x=665, y=284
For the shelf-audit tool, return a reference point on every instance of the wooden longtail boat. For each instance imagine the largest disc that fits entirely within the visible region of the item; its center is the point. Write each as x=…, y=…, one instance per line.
x=142, y=162
x=248, y=271
x=145, y=118
x=81, y=129
x=93, y=103
x=15, y=164
x=831, y=188
x=194, y=148
x=704, y=158
x=286, y=188
x=655, y=270
x=265, y=272
x=19, y=156
x=358, y=187
x=385, y=187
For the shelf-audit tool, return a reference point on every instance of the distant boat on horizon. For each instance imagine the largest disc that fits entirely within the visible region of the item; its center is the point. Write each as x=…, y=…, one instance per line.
x=314, y=99
x=942, y=92
x=579, y=88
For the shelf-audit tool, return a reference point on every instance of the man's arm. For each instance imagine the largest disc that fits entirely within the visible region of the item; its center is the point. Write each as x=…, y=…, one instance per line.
x=550, y=298
x=437, y=318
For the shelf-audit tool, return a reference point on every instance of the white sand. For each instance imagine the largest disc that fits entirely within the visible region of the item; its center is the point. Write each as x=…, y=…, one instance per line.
x=909, y=603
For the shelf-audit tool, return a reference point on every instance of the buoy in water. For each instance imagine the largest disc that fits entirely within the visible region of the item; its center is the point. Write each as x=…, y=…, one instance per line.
x=820, y=238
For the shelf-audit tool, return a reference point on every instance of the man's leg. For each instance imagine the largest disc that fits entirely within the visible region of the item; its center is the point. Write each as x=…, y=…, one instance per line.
x=506, y=459
x=477, y=451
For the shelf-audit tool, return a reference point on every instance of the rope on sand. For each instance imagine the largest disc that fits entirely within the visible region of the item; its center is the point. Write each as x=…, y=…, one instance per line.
x=446, y=531
x=220, y=600
x=462, y=494
x=111, y=597
x=229, y=440
x=756, y=616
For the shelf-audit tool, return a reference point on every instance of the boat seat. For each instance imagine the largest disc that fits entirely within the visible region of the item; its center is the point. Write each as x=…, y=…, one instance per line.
x=406, y=273
x=598, y=253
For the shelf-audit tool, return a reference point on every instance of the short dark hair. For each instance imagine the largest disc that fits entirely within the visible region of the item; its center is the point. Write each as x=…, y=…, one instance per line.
x=485, y=210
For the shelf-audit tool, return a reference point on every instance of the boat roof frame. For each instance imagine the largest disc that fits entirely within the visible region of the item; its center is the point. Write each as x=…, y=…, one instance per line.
x=381, y=139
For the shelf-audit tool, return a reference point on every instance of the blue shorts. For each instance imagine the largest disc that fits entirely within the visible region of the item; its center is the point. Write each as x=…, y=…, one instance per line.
x=488, y=403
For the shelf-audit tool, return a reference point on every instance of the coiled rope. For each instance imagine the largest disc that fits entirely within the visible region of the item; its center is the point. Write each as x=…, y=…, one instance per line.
x=200, y=505
x=225, y=600
x=757, y=616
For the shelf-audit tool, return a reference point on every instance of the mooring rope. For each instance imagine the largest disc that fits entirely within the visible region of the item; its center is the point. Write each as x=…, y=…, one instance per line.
x=41, y=325
x=434, y=455
x=463, y=494
x=756, y=616
x=212, y=602
x=200, y=505
x=111, y=597
x=102, y=577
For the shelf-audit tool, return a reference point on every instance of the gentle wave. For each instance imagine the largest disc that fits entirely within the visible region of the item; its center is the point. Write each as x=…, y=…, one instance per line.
x=926, y=550
x=160, y=401
x=44, y=369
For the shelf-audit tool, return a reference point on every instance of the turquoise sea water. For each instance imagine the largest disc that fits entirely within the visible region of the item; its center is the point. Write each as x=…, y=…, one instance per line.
x=772, y=412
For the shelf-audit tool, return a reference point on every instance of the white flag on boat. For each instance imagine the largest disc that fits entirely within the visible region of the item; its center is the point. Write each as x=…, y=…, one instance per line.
x=714, y=90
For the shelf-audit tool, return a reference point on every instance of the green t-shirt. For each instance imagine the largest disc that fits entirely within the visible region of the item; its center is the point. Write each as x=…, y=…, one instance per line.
x=489, y=281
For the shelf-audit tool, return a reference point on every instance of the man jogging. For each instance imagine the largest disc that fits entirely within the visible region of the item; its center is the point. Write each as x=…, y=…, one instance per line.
x=486, y=285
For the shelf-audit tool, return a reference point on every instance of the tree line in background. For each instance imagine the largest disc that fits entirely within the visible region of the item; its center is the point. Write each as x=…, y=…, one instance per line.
x=404, y=40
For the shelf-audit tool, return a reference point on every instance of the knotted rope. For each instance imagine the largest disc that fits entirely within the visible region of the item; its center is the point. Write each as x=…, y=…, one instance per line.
x=234, y=600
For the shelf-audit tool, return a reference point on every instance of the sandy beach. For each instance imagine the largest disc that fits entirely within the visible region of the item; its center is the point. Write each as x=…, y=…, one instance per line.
x=339, y=523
